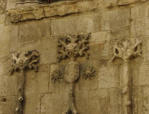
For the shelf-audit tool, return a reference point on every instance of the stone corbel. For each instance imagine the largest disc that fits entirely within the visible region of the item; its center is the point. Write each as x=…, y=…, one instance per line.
x=22, y=62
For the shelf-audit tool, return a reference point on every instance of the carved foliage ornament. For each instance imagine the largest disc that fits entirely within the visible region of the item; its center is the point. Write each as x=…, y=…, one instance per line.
x=73, y=46
x=70, y=74
x=24, y=61
x=21, y=62
x=89, y=72
x=56, y=73
x=127, y=49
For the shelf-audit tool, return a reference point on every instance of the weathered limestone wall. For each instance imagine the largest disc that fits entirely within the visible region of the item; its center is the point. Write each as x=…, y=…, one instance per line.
x=39, y=27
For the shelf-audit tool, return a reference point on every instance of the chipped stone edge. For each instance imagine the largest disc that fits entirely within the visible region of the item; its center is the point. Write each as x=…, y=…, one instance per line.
x=41, y=11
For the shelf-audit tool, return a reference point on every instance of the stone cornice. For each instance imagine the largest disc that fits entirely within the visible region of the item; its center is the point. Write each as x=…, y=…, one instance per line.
x=41, y=11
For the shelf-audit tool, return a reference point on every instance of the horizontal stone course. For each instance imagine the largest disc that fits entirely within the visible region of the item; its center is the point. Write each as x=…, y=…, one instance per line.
x=44, y=11
x=40, y=11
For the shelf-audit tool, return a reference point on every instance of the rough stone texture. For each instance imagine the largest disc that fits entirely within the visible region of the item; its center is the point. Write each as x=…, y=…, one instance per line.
x=7, y=105
x=2, y=6
x=75, y=24
x=43, y=11
x=40, y=27
x=126, y=2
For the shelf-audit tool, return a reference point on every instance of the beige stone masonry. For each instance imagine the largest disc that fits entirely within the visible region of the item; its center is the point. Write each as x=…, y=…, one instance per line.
x=50, y=10
x=40, y=11
x=127, y=2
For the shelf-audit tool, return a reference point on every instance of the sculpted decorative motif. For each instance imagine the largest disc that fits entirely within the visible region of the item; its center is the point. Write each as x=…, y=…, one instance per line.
x=56, y=73
x=127, y=50
x=71, y=48
x=89, y=72
x=21, y=62
x=25, y=61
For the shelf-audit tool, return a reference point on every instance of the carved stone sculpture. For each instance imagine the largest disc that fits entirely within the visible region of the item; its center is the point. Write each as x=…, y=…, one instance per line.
x=71, y=76
x=89, y=72
x=21, y=62
x=71, y=47
x=55, y=73
x=127, y=50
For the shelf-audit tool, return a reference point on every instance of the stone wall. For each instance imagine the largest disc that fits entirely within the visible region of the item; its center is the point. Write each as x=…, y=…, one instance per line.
x=41, y=26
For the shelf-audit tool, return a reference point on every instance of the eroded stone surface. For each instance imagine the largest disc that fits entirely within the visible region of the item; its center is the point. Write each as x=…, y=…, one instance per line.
x=44, y=11
x=2, y=6
x=98, y=79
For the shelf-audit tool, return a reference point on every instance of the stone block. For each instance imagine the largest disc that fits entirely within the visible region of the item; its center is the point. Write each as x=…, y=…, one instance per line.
x=2, y=19
x=126, y=2
x=121, y=33
x=113, y=20
x=90, y=84
x=35, y=12
x=140, y=21
x=109, y=3
x=145, y=106
x=33, y=45
x=4, y=47
x=99, y=37
x=94, y=101
x=143, y=73
x=7, y=104
x=56, y=106
x=99, y=44
x=140, y=11
x=48, y=51
x=5, y=63
x=115, y=100
x=8, y=85
x=14, y=43
x=81, y=101
x=75, y=24
x=34, y=31
x=11, y=4
x=36, y=83
x=138, y=99
x=2, y=6
x=32, y=104
x=108, y=78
